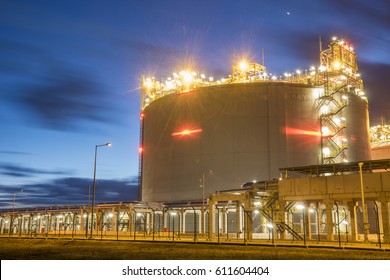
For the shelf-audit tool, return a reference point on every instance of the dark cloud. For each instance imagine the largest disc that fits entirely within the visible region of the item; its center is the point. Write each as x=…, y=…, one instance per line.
x=20, y=171
x=71, y=191
x=58, y=94
x=376, y=12
x=64, y=100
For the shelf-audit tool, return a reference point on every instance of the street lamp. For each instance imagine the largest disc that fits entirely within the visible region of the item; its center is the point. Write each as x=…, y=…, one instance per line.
x=13, y=211
x=94, y=182
x=13, y=204
x=366, y=226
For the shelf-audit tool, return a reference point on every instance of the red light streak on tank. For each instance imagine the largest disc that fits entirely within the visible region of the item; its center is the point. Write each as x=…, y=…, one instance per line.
x=140, y=150
x=298, y=131
x=186, y=132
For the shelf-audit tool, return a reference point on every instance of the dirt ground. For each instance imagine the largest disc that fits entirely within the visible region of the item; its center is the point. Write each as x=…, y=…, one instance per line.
x=54, y=249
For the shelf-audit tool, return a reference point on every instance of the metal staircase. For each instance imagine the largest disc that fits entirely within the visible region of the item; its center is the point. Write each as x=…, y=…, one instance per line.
x=339, y=79
x=331, y=106
x=270, y=208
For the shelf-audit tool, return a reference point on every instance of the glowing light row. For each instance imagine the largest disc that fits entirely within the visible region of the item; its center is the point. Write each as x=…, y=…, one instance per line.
x=187, y=80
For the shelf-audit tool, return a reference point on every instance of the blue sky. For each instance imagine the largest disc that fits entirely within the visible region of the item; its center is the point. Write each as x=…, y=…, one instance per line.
x=70, y=75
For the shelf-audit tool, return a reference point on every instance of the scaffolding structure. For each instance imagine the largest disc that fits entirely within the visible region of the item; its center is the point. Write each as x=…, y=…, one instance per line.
x=380, y=136
x=248, y=72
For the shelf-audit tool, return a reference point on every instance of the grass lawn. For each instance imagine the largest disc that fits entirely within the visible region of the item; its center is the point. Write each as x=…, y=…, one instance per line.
x=54, y=249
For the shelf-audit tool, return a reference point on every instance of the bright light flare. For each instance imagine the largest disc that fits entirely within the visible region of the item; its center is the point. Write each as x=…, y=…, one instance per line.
x=169, y=85
x=148, y=83
x=257, y=203
x=186, y=132
x=324, y=110
x=337, y=65
x=300, y=206
x=326, y=152
x=187, y=77
x=243, y=65
x=322, y=68
x=325, y=131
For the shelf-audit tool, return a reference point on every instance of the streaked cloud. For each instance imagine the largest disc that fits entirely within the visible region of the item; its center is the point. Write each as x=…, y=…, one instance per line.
x=14, y=170
x=70, y=191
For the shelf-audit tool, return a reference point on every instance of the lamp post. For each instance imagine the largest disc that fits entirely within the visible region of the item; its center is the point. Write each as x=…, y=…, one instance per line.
x=13, y=212
x=366, y=226
x=94, y=183
x=13, y=203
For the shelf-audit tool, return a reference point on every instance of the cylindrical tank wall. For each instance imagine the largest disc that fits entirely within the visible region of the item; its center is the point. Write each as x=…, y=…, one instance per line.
x=230, y=134
x=358, y=129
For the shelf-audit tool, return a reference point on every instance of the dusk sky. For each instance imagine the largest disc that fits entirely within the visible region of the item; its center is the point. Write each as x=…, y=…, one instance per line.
x=70, y=76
